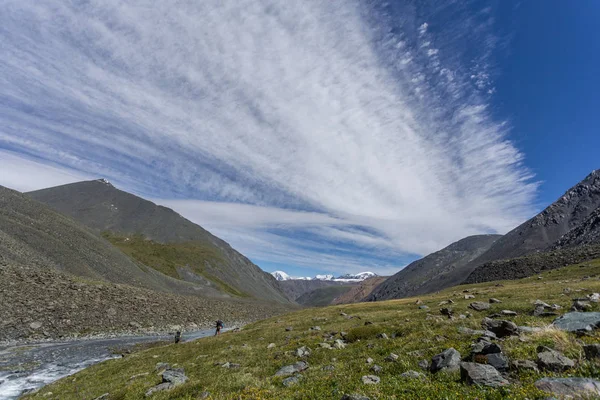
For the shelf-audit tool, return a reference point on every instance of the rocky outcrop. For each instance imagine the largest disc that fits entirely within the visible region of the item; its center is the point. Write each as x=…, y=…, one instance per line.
x=570, y=388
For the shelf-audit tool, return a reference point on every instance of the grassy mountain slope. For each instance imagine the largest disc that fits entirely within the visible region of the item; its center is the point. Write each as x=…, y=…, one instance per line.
x=438, y=270
x=104, y=208
x=419, y=334
x=323, y=296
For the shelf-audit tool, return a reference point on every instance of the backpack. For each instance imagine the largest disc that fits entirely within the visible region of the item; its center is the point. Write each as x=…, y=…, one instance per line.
x=220, y=324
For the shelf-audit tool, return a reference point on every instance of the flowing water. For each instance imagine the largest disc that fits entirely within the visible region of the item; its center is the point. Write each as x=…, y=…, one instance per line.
x=29, y=367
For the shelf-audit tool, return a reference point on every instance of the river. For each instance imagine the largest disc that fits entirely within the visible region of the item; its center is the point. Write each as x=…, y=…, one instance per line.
x=29, y=367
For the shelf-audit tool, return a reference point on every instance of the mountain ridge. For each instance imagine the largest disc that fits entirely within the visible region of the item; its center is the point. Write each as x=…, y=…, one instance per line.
x=104, y=208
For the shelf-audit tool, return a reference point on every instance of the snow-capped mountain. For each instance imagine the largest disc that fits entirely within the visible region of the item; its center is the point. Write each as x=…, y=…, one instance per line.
x=361, y=276
x=281, y=276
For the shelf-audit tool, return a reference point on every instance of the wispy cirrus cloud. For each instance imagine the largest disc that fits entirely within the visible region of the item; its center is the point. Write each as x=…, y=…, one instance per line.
x=349, y=135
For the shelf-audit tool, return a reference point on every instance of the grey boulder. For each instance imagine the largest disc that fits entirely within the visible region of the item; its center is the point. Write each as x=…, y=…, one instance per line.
x=292, y=380
x=479, y=306
x=501, y=328
x=481, y=374
x=370, y=380
x=552, y=360
x=574, y=388
x=448, y=360
x=292, y=369
x=578, y=321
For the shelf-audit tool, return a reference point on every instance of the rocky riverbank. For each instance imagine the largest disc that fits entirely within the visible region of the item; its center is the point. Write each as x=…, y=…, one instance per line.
x=44, y=304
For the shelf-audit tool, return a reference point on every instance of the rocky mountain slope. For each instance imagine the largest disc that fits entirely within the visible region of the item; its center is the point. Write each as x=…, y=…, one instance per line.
x=438, y=270
x=32, y=234
x=542, y=231
x=570, y=220
x=123, y=217
x=45, y=303
x=532, y=264
x=359, y=292
x=586, y=233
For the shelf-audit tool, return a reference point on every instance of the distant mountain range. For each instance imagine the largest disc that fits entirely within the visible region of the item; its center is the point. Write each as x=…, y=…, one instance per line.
x=572, y=220
x=361, y=276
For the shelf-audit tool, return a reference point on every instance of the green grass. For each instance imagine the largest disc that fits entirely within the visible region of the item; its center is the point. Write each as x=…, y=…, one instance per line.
x=166, y=257
x=417, y=337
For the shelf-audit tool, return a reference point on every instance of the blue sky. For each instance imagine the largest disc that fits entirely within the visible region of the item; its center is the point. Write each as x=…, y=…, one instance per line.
x=315, y=137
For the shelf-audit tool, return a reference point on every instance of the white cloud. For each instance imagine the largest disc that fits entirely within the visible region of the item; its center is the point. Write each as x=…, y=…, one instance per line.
x=26, y=175
x=284, y=107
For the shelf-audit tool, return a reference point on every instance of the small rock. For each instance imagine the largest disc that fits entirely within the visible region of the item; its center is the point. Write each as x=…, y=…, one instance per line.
x=524, y=365
x=574, y=388
x=328, y=368
x=481, y=374
x=594, y=297
x=413, y=375
x=447, y=311
x=35, y=325
x=580, y=306
x=369, y=360
x=484, y=347
x=468, y=331
x=271, y=345
x=315, y=328
x=501, y=328
x=292, y=369
x=292, y=380
x=479, y=306
x=392, y=357
x=382, y=336
x=325, y=346
x=101, y=397
x=303, y=352
x=469, y=296
x=159, y=388
x=508, y=312
x=339, y=344
x=370, y=379
x=424, y=365
x=289, y=328
x=423, y=307
x=174, y=376
x=529, y=329
x=376, y=369
x=418, y=302
x=494, y=300
x=552, y=360
x=498, y=361
x=447, y=360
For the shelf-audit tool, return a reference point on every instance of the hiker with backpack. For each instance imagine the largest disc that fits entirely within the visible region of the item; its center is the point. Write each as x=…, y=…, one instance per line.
x=219, y=327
